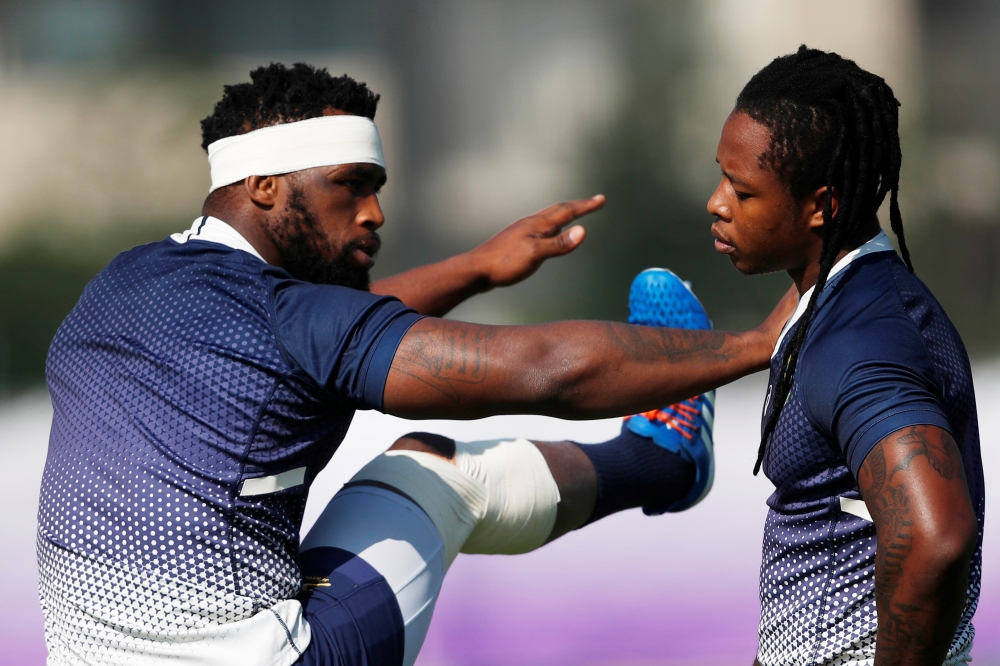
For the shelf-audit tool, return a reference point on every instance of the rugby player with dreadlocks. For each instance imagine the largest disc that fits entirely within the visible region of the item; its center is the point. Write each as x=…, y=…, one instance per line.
x=872, y=544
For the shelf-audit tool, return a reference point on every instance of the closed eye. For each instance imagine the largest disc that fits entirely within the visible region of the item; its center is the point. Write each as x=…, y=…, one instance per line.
x=355, y=185
x=361, y=186
x=361, y=180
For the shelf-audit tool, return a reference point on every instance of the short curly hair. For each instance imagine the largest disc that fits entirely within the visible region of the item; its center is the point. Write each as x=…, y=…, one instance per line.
x=279, y=94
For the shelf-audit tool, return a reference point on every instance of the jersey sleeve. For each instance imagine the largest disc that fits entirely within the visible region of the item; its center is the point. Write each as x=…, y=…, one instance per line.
x=344, y=339
x=863, y=384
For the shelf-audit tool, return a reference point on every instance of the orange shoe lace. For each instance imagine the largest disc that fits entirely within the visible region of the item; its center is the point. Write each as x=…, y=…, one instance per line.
x=679, y=416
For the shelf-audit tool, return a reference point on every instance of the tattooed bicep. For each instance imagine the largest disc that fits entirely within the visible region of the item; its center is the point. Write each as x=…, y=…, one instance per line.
x=913, y=460
x=902, y=477
x=871, y=476
x=444, y=355
x=925, y=447
x=929, y=443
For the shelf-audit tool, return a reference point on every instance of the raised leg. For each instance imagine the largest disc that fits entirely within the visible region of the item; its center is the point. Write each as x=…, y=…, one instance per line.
x=413, y=509
x=571, y=469
x=593, y=480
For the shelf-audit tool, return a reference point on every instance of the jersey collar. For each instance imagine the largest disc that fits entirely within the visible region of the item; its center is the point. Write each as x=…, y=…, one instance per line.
x=214, y=230
x=880, y=243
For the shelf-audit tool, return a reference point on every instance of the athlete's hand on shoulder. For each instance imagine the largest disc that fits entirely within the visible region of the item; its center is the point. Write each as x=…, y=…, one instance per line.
x=520, y=249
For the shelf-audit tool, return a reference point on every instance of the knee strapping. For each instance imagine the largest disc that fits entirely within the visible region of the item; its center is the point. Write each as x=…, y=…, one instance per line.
x=498, y=497
x=522, y=495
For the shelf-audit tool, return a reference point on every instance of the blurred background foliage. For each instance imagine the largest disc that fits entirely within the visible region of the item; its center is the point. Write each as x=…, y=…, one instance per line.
x=491, y=109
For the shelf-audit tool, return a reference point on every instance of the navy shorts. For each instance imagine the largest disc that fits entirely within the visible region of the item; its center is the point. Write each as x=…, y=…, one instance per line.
x=351, y=610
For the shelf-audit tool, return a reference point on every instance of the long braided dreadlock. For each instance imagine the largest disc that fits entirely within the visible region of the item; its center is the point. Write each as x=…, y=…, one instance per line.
x=833, y=124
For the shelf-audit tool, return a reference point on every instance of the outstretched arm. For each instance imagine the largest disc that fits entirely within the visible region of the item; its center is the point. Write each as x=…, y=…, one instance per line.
x=913, y=482
x=509, y=257
x=574, y=369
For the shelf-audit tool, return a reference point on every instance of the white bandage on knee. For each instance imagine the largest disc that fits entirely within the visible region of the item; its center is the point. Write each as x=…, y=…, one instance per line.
x=522, y=495
x=453, y=500
x=498, y=497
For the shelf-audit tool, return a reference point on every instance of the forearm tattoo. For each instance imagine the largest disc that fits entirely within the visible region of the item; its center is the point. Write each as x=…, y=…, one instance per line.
x=642, y=344
x=904, y=628
x=443, y=354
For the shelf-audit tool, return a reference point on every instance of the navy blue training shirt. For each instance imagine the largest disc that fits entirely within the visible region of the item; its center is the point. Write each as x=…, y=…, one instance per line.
x=197, y=393
x=880, y=356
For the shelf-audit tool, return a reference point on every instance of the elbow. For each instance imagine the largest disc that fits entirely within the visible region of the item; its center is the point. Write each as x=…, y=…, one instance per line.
x=557, y=379
x=949, y=544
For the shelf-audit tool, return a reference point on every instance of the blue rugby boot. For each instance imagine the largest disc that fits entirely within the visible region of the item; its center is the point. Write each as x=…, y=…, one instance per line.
x=659, y=298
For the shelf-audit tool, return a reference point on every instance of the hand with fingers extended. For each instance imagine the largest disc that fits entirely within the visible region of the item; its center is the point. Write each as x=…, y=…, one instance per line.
x=520, y=249
x=509, y=257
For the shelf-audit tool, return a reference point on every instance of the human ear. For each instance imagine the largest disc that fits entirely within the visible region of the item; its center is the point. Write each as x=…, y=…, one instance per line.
x=262, y=190
x=815, y=202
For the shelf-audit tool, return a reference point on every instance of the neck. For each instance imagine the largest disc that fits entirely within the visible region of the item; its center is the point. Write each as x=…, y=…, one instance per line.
x=805, y=278
x=250, y=224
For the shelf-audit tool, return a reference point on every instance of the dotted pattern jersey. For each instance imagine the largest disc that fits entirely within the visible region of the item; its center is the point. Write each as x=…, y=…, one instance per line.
x=184, y=372
x=880, y=355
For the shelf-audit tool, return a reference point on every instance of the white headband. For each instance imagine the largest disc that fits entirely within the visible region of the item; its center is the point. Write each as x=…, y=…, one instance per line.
x=304, y=144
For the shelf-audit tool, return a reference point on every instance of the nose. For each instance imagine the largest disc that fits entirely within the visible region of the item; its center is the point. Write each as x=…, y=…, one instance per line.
x=370, y=214
x=717, y=203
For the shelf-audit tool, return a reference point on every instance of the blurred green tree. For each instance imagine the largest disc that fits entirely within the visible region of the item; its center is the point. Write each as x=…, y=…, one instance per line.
x=42, y=275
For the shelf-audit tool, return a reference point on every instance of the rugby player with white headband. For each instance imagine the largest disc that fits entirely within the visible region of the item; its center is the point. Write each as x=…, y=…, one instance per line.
x=202, y=382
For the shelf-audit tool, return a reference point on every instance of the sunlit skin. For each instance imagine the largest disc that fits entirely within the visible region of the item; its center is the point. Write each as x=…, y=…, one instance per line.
x=343, y=198
x=758, y=223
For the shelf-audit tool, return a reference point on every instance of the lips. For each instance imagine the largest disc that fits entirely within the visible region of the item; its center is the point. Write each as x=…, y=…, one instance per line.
x=363, y=258
x=364, y=251
x=722, y=244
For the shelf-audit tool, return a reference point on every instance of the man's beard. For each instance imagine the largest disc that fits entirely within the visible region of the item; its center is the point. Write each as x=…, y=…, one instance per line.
x=308, y=255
